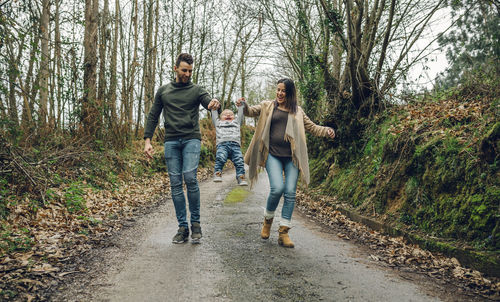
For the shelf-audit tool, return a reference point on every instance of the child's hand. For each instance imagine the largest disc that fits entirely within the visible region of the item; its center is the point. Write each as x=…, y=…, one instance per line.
x=240, y=101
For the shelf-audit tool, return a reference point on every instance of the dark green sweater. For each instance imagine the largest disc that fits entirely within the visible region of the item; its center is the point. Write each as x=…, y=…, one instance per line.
x=180, y=104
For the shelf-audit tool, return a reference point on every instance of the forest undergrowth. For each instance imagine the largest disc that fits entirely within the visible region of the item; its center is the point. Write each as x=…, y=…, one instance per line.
x=64, y=196
x=430, y=167
x=59, y=201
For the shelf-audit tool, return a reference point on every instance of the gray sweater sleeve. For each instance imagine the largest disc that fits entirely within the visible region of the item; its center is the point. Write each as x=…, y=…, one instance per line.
x=240, y=114
x=204, y=97
x=215, y=117
x=154, y=114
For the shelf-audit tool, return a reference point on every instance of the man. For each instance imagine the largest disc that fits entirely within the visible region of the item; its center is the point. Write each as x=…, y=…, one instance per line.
x=180, y=101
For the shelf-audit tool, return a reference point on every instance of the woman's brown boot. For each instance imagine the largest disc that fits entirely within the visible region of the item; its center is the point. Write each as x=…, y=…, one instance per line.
x=266, y=228
x=284, y=239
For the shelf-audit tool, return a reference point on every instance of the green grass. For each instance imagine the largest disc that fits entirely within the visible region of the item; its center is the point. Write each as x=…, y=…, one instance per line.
x=14, y=242
x=236, y=195
x=74, y=197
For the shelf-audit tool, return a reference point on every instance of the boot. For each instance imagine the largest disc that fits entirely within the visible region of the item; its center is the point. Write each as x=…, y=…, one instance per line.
x=266, y=228
x=284, y=239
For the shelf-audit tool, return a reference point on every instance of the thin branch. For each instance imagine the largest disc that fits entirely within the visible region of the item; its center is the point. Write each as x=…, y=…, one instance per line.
x=334, y=21
x=5, y=2
x=408, y=45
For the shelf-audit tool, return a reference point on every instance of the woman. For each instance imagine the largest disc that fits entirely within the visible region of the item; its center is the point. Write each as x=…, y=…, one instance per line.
x=279, y=145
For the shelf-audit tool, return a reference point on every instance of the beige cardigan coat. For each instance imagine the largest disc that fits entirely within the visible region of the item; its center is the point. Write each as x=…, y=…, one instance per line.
x=297, y=123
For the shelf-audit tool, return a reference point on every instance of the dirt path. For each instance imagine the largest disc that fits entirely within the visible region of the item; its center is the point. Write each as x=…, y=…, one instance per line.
x=234, y=264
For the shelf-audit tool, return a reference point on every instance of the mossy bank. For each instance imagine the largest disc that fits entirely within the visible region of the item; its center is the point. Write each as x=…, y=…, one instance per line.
x=430, y=167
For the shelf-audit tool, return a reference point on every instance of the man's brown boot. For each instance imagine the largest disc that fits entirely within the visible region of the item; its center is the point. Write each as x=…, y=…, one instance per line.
x=266, y=228
x=284, y=239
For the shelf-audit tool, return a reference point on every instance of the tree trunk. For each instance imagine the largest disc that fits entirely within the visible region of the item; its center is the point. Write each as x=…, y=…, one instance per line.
x=14, y=119
x=146, y=76
x=133, y=66
x=29, y=98
x=13, y=71
x=57, y=58
x=44, y=65
x=90, y=109
x=104, y=37
x=3, y=111
x=74, y=84
x=226, y=67
x=125, y=58
x=113, y=82
x=154, y=51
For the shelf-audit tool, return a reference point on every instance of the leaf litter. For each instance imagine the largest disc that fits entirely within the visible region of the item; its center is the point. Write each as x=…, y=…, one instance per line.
x=394, y=251
x=59, y=237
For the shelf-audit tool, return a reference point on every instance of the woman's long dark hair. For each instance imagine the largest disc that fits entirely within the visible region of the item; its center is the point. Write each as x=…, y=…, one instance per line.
x=291, y=95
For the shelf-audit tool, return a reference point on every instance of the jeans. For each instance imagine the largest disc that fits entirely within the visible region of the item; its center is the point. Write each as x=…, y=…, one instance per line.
x=287, y=187
x=182, y=157
x=233, y=151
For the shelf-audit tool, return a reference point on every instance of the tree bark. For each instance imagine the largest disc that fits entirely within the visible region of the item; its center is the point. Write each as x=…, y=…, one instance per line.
x=44, y=65
x=133, y=66
x=385, y=44
x=148, y=76
x=113, y=82
x=103, y=42
x=90, y=110
x=3, y=111
x=29, y=98
x=57, y=58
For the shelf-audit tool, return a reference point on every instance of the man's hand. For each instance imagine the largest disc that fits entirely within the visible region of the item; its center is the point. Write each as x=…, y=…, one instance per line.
x=240, y=101
x=331, y=133
x=214, y=104
x=148, y=148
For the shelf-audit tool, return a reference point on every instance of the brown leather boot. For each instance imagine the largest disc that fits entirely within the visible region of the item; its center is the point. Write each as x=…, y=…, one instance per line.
x=266, y=228
x=284, y=239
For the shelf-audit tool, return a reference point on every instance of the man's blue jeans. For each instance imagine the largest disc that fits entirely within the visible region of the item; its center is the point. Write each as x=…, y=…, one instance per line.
x=231, y=150
x=182, y=157
x=287, y=187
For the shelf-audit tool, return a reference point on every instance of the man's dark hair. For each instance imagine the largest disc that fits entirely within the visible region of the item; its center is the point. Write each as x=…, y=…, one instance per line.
x=184, y=57
x=290, y=95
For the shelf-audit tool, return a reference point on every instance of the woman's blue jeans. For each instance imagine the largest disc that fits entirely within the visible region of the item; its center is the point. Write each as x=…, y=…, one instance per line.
x=182, y=157
x=275, y=166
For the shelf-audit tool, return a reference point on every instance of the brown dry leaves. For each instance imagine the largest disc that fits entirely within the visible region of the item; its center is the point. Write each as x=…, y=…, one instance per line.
x=59, y=236
x=395, y=251
x=433, y=119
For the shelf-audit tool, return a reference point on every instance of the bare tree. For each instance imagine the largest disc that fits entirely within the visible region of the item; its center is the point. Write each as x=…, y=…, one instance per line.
x=26, y=85
x=250, y=35
x=113, y=82
x=130, y=88
x=104, y=36
x=148, y=65
x=58, y=63
x=44, y=64
x=359, y=55
x=90, y=108
x=12, y=70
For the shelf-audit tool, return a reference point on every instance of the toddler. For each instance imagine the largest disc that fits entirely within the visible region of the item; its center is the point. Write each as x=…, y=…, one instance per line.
x=227, y=131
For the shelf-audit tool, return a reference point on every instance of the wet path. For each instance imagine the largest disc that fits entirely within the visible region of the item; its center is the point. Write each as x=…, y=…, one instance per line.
x=234, y=264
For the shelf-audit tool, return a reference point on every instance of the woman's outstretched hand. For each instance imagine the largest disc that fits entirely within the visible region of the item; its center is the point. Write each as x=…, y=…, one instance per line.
x=240, y=101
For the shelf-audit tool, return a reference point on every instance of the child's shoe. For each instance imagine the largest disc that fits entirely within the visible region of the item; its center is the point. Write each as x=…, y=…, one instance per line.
x=218, y=176
x=242, y=181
